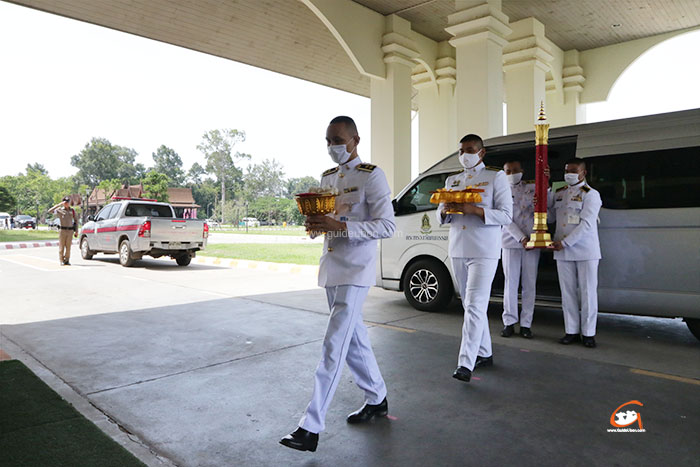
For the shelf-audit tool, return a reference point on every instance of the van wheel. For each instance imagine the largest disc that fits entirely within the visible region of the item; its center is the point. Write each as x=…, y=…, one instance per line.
x=694, y=326
x=427, y=285
x=183, y=260
x=85, y=250
x=126, y=256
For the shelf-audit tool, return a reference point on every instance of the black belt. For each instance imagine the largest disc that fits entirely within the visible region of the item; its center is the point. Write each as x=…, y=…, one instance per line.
x=66, y=228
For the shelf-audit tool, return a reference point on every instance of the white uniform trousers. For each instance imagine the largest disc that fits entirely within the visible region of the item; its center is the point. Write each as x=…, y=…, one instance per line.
x=578, y=281
x=519, y=266
x=474, y=278
x=346, y=340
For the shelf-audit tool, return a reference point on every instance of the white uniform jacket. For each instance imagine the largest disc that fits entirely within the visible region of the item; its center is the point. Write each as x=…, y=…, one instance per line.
x=364, y=204
x=471, y=237
x=576, y=209
x=523, y=214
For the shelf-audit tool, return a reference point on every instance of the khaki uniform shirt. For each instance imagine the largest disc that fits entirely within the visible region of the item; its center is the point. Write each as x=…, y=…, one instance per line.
x=67, y=217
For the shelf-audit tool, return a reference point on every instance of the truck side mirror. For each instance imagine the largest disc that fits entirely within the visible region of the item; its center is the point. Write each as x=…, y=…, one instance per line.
x=91, y=218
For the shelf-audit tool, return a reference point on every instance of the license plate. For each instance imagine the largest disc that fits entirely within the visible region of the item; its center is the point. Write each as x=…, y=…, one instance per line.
x=175, y=245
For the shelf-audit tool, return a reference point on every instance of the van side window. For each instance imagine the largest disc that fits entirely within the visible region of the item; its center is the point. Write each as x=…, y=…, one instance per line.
x=667, y=178
x=417, y=198
x=115, y=210
x=105, y=212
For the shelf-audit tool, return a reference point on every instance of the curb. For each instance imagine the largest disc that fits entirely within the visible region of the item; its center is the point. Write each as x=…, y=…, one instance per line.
x=37, y=244
x=288, y=268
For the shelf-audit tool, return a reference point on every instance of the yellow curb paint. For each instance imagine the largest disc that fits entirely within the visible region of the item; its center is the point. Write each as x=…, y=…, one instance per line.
x=393, y=328
x=654, y=374
x=233, y=263
x=252, y=265
x=201, y=261
x=273, y=267
x=217, y=261
x=295, y=270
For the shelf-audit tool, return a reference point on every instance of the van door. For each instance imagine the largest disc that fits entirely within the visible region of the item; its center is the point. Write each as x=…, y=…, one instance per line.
x=417, y=230
x=100, y=228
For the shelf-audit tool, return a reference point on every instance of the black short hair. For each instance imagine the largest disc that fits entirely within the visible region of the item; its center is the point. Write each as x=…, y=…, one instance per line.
x=513, y=161
x=348, y=122
x=577, y=161
x=472, y=138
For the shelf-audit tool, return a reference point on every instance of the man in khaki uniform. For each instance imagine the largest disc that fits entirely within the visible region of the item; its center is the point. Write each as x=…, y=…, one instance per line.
x=69, y=223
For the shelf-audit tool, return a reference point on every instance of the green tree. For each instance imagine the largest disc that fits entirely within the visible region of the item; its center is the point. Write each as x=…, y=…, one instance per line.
x=109, y=186
x=217, y=147
x=300, y=185
x=7, y=201
x=100, y=160
x=168, y=162
x=155, y=185
x=196, y=174
x=264, y=180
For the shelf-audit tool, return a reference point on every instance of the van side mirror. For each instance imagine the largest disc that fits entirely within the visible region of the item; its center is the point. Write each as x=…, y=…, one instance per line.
x=395, y=204
x=91, y=218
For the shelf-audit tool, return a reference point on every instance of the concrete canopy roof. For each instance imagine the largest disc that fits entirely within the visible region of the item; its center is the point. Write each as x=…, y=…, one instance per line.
x=286, y=37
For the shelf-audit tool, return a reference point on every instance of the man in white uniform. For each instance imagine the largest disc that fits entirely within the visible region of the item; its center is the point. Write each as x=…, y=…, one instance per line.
x=363, y=214
x=577, y=252
x=474, y=248
x=519, y=264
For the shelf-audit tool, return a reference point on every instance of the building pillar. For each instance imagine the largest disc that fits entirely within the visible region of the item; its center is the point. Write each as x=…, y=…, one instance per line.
x=480, y=30
x=436, y=109
x=563, y=106
x=526, y=60
x=391, y=105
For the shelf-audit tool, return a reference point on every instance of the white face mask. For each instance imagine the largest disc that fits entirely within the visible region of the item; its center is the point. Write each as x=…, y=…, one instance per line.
x=571, y=179
x=514, y=179
x=469, y=160
x=339, y=153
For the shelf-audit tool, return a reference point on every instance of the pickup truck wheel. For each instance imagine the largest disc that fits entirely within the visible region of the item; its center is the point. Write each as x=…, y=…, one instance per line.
x=183, y=260
x=427, y=285
x=85, y=250
x=126, y=256
x=694, y=326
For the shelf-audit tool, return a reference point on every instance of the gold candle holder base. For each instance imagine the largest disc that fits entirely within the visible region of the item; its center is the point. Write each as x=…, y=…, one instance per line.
x=454, y=212
x=539, y=240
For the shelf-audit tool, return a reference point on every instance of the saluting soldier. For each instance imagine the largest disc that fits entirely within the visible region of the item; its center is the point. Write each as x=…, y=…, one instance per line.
x=577, y=252
x=519, y=264
x=347, y=269
x=474, y=248
x=69, y=224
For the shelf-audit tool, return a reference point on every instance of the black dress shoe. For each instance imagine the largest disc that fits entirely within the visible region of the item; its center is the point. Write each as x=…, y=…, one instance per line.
x=589, y=341
x=301, y=440
x=462, y=374
x=569, y=339
x=525, y=332
x=482, y=362
x=508, y=331
x=369, y=411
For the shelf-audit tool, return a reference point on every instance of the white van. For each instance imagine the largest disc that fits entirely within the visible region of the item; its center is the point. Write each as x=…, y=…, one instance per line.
x=647, y=170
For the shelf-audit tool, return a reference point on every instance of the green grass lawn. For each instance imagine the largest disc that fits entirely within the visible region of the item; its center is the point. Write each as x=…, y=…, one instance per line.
x=275, y=253
x=297, y=231
x=27, y=235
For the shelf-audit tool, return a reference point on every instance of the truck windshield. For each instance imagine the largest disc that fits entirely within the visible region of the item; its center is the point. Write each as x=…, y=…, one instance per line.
x=152, y=210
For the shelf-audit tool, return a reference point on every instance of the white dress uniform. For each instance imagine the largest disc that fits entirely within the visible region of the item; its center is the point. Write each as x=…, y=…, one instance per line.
x=519, y=264
x=474, y=249
x=347, y=270
x=576, y=211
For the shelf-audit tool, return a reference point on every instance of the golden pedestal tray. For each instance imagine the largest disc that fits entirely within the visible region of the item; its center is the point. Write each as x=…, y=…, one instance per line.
x=468, y=195
x=311, y=204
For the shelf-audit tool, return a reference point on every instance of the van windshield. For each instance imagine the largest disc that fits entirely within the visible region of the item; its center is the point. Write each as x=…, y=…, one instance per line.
x=152, y=210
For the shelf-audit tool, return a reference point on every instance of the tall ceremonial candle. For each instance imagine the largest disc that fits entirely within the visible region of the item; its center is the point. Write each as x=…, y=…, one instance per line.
x=540, y=238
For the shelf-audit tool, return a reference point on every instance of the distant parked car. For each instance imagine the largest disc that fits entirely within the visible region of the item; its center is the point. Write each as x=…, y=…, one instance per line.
x=23, y=221
x=250, y=222
x=212, y=224
x=54, y=224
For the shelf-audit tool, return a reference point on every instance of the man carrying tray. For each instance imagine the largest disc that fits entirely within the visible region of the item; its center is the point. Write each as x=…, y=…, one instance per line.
x=474, y=248
x=363, y=214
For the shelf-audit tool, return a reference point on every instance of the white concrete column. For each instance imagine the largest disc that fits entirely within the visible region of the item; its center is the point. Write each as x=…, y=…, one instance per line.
x=391, y=105
x=526, y=61
x=564, y=107
x=480, y=30
x=436, y=108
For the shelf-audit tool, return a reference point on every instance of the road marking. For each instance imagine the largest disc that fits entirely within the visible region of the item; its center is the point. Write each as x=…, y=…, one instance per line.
x=654, y=374
x=30, y=262
x=389, y=326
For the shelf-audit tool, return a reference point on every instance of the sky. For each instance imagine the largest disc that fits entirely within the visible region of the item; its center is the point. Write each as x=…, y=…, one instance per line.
x=64, y=82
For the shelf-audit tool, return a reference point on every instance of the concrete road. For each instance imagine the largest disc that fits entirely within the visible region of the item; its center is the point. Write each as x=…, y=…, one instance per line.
x=218, y=237
x=210, y=366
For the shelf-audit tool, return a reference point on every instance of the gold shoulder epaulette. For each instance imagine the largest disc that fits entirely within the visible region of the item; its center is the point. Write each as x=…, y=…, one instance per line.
x=528, y=181
x=491, y=167
x=586, y=188
x=561, y=188
x=366, y=167
x=330, y=171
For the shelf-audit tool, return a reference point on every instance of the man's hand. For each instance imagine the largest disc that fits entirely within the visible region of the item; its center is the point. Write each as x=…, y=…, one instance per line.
x=524, y=241
x=322, y=223
x=546, y=171
x=557, y=246
x=75, y=234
